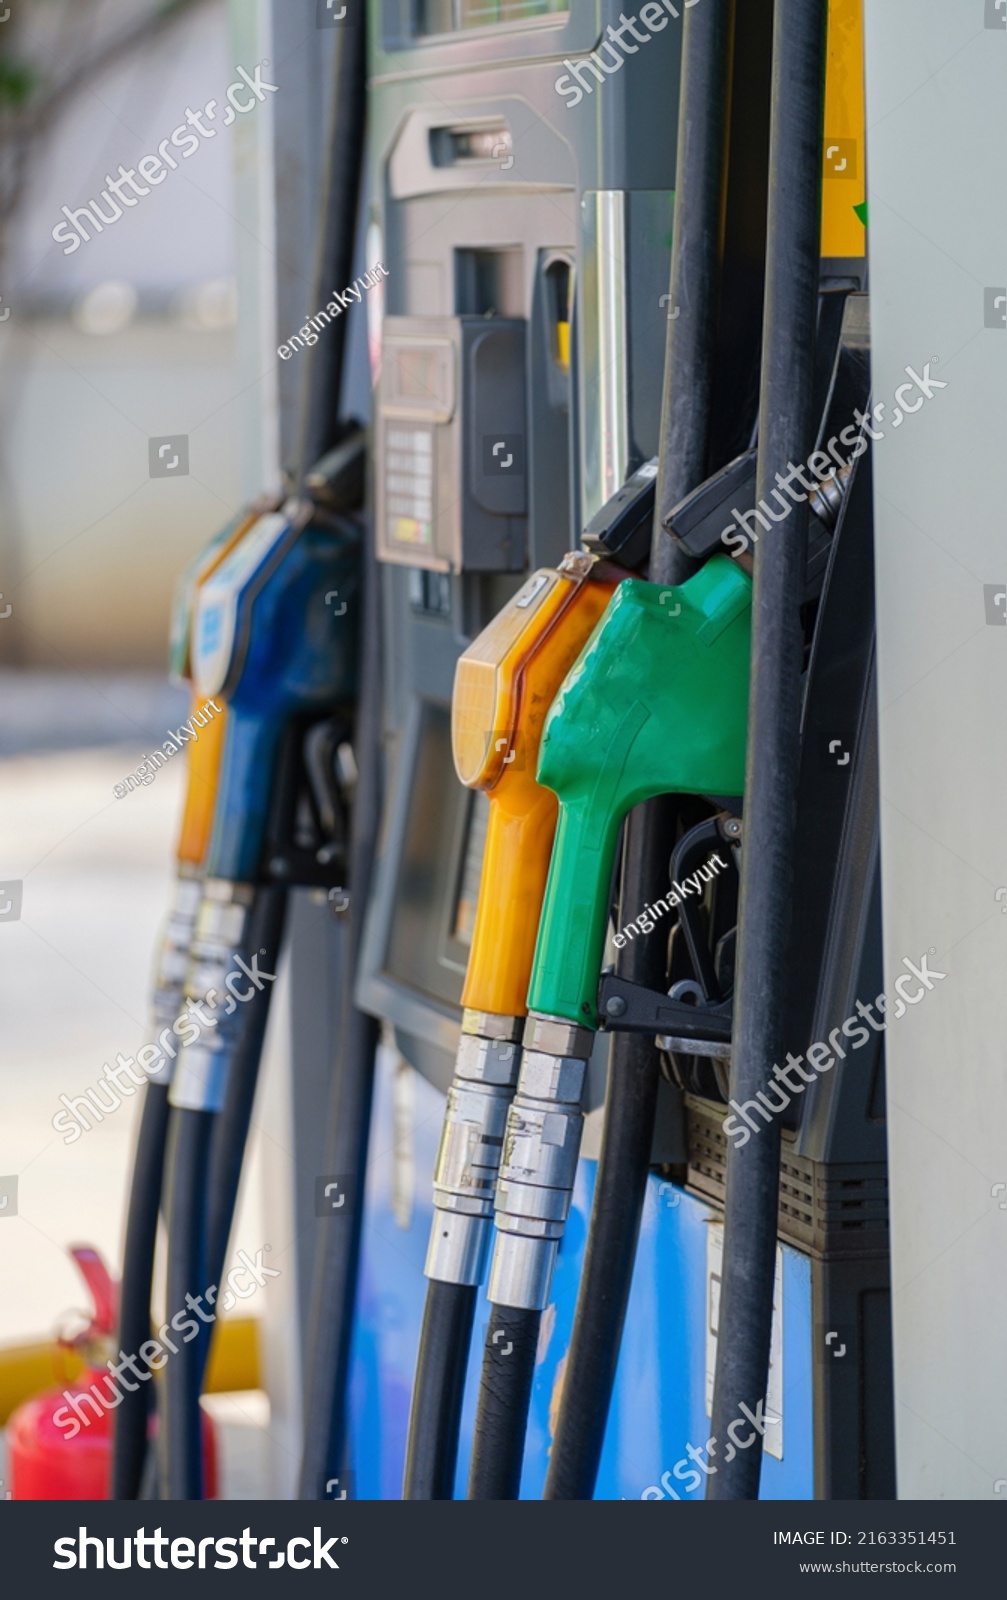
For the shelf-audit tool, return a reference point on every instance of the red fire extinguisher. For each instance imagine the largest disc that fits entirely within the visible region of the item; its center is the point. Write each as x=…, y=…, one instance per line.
x=59, y=1444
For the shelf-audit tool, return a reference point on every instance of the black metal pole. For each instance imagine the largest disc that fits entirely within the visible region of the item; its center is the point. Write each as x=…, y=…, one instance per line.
x=338, y=1254
x=786, y=427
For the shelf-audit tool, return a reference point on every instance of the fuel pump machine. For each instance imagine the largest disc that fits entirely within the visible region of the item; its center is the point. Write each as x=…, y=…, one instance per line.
x=519, y=365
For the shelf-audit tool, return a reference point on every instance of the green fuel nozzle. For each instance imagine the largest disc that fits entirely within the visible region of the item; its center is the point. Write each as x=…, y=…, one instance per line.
x=657, y=703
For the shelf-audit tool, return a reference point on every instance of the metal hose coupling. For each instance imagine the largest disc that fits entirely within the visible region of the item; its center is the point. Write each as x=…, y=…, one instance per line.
x=468, y=1160
x=539, y=1163
x=173, y=953
x=200, y=1076
x=826, y=501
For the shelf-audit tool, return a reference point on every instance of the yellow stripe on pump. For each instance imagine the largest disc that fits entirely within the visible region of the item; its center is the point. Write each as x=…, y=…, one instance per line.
x=844, y=176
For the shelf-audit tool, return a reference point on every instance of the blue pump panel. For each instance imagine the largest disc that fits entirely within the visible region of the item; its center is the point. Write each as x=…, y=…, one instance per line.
x=658, y=1410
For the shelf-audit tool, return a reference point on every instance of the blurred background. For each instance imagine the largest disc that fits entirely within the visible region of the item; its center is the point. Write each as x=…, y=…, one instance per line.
x=136, y=335
x=131, y=336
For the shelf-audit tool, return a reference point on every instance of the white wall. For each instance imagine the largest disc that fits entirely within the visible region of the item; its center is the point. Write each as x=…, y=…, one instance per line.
x=936, y=136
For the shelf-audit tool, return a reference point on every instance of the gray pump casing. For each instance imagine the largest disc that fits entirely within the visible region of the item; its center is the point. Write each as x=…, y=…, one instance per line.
x=489, y=190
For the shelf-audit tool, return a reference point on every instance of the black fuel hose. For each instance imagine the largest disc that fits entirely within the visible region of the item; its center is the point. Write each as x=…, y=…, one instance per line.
x=132, y=1415
x=318, y=423
x=786, y=435
x=435, y=1416
x=229, y=1127
x=697, y=247
x=631, y=1094
x=263, y=937
x=203, y=1167
x=180, y=1439
x=504, y=1398
x=630, y=1101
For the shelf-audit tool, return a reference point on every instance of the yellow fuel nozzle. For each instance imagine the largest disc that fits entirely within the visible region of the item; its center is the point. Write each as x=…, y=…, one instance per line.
x=204, y=756
x=504, y=685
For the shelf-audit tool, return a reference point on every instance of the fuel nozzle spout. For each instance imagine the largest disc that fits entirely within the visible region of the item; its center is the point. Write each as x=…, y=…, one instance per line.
x=219, y=936
x=174, y=949
x=486, y=1073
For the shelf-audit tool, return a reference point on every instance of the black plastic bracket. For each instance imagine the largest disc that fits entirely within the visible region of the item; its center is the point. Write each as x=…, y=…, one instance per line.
x=308, y=825
x=626, y=1007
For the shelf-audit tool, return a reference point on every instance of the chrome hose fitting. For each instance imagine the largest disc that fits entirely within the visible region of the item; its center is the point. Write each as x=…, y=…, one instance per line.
x=200, y=1076
x=486, y=1073
x=539, y=1164
x=173, y=954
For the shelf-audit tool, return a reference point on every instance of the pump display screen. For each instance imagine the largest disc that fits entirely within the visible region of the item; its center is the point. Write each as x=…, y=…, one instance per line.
x=417, y=374
x=437, y=880
x=472, y=867
x=453, y=16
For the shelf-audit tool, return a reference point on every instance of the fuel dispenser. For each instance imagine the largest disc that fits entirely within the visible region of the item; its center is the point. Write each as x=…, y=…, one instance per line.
x=133, y=1415
x=254, y=625
x=487, y=192
x=847, y=1409
x=519, y=406
x=489, y=195
x=268, y=620
x=515, y=343
x=268, y=641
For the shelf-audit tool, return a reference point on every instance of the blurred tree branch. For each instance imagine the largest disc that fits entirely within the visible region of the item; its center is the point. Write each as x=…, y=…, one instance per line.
x=38, y=84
